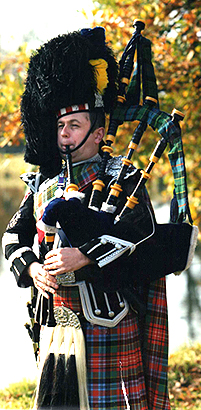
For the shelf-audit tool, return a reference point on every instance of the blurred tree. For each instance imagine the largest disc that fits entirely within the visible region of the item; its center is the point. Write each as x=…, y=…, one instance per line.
x=174, y=28
x=12, y=76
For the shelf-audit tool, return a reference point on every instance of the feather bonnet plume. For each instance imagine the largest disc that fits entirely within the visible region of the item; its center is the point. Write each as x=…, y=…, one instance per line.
x=70, y=69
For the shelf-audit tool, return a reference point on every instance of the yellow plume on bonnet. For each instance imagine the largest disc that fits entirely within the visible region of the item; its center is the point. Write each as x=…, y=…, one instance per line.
x=100, y=66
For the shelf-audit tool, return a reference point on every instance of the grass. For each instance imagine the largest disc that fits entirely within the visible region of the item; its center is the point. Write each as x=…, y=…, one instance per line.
x=18, y=395
x=185, y=378
x=184, y=383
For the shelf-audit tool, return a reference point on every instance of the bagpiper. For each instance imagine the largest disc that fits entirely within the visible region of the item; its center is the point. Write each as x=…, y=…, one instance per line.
x=98, y=272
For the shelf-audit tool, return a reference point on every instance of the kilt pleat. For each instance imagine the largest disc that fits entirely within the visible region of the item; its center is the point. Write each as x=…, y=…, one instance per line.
x=120, y=376
x=113, y=358
x=156, y=346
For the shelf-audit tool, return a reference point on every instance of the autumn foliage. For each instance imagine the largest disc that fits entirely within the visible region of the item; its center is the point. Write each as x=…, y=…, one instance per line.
x=13, y=73
x=174, y=28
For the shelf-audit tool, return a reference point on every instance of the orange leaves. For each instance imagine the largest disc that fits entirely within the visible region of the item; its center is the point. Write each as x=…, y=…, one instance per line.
x=184, y=378
x=173, y=26
x=10, y=129
x=13, y=72
x=190, y=17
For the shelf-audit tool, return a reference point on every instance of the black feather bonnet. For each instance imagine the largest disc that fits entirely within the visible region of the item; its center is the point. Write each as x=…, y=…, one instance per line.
x=60, y=74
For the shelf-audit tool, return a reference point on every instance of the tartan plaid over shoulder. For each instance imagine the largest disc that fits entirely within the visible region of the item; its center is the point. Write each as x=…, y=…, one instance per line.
x=162, y=122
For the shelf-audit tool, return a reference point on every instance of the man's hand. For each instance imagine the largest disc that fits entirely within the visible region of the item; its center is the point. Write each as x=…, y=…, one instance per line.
x=42, y=279
x=63, y=260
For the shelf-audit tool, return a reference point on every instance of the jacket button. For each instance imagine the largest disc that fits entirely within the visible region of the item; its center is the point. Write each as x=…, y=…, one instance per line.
x=118, y=246
x=111, y=313
x=103, y=241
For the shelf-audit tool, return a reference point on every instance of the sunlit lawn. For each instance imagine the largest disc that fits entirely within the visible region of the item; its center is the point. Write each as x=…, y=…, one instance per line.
x=184, y=383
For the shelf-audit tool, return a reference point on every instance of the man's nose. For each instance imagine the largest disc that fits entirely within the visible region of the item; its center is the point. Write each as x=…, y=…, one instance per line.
x=65, y=131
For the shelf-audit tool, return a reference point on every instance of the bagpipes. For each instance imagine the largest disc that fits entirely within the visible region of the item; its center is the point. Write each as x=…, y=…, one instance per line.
x=101, y=219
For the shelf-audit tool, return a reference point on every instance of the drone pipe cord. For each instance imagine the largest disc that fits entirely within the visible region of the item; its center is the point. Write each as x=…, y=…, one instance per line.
x=110, y=204
x=155, y=156
x=126, y=68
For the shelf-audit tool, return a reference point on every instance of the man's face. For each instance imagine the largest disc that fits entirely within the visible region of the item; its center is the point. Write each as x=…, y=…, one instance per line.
x=72, y=128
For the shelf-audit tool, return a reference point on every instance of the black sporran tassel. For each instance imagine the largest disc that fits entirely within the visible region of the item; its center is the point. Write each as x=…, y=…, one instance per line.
x=71, y=384
x=46, y=383
x=58, y=388
x=63, y=380
x=65, y=394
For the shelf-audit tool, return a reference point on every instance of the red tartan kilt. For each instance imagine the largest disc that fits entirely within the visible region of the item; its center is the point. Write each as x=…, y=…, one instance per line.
x=114, y=355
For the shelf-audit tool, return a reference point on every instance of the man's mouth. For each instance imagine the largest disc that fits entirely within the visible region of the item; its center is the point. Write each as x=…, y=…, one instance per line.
x=64, y=148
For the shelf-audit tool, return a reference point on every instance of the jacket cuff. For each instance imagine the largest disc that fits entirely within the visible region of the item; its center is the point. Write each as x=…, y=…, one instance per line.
x=192, y=246
x=106, y=249
x=19, y=262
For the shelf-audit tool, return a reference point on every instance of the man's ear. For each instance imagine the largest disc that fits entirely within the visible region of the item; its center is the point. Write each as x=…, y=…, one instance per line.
x=99, y=134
